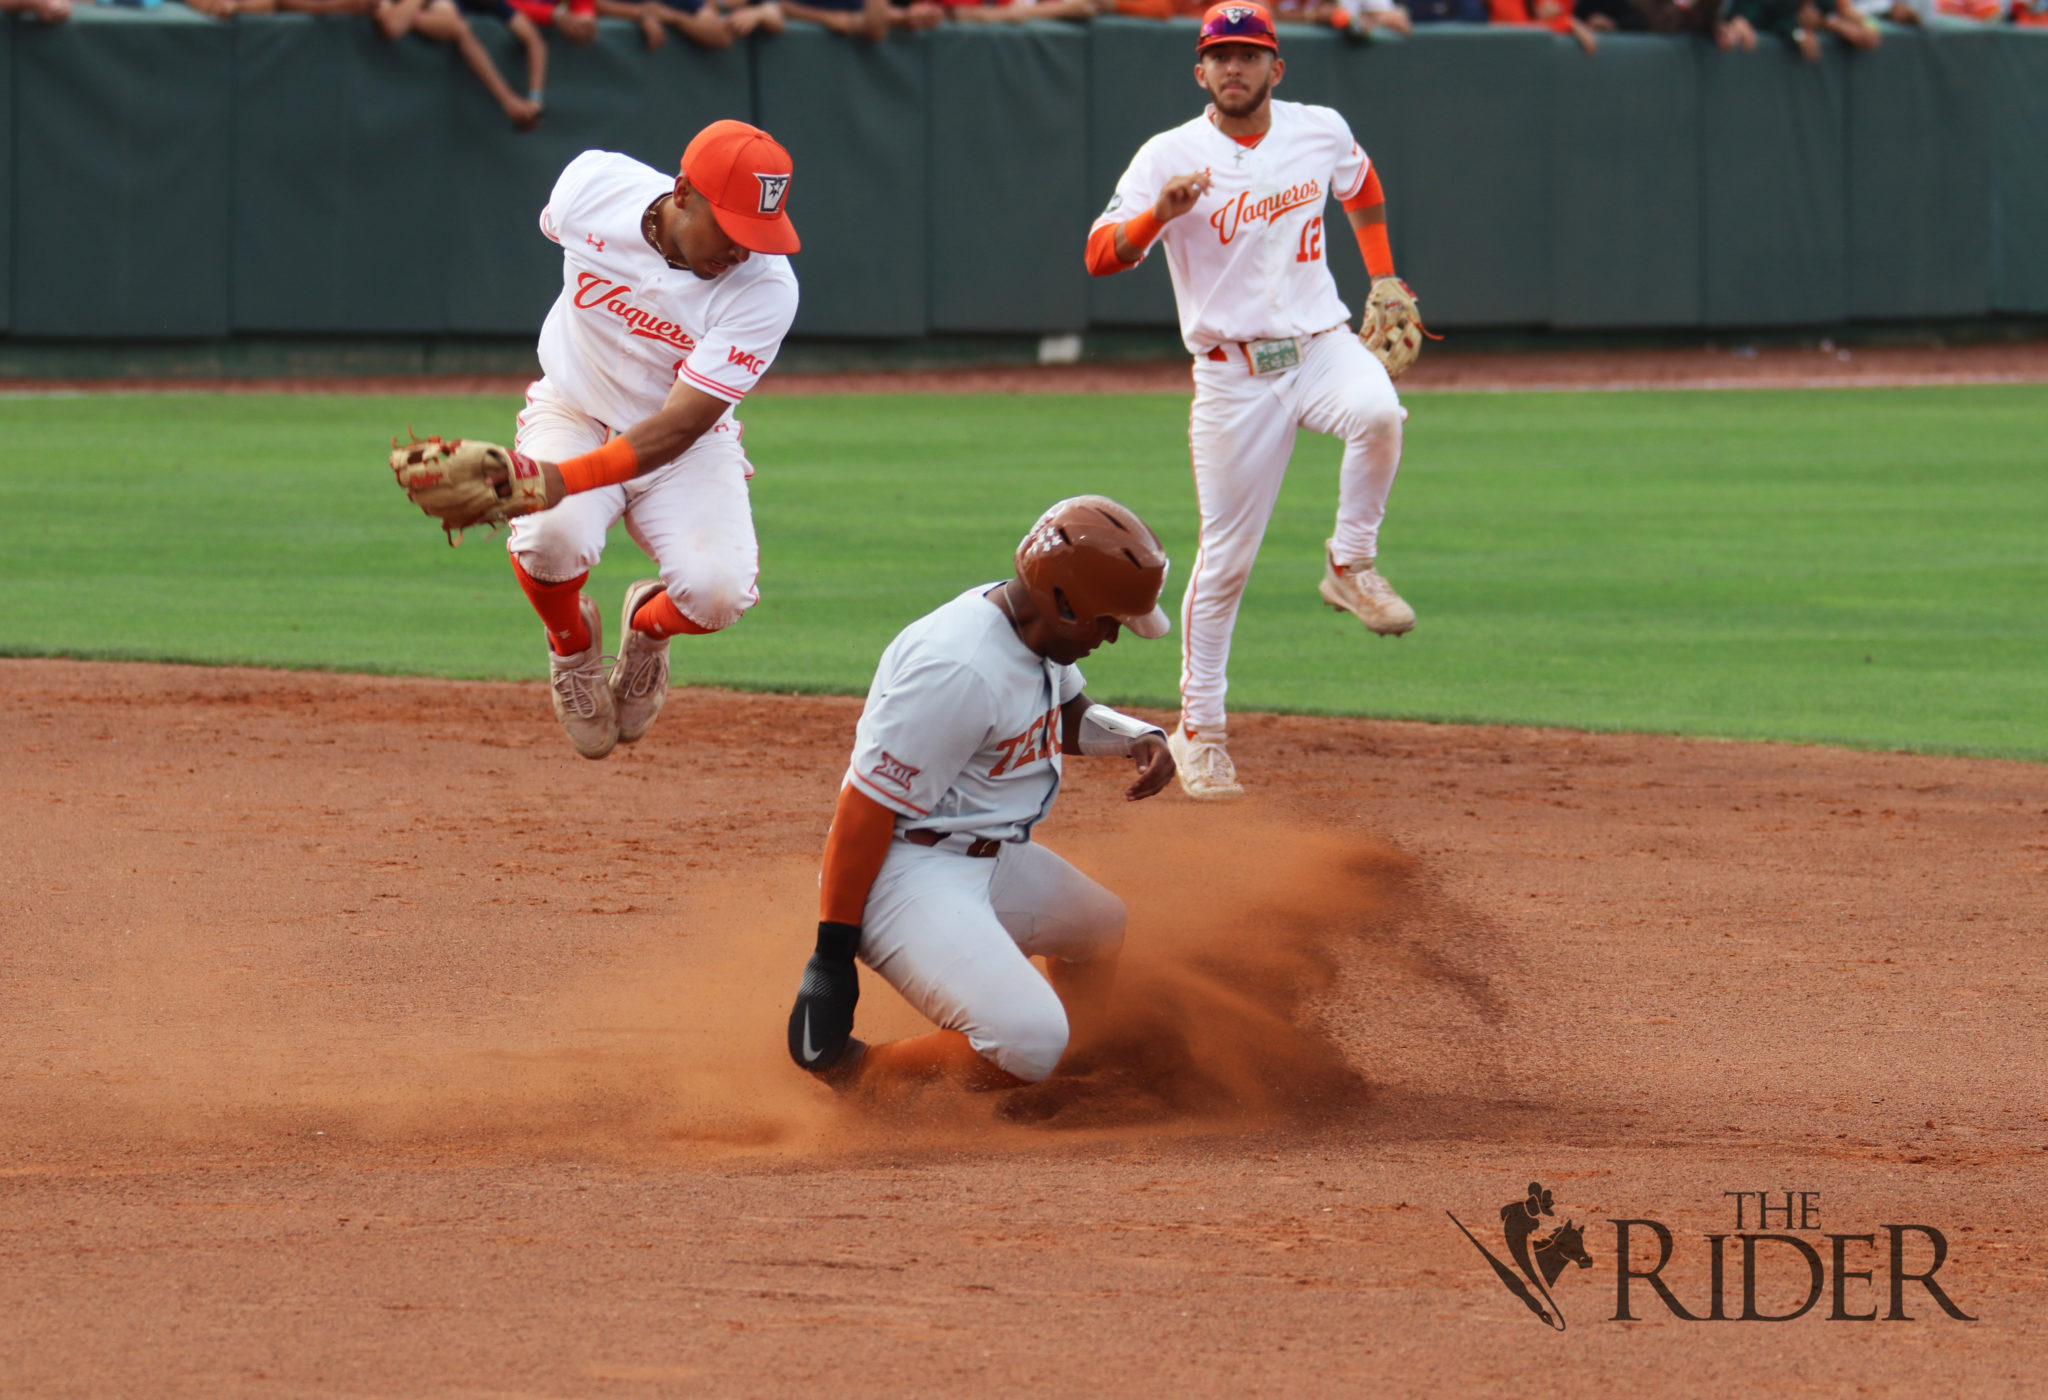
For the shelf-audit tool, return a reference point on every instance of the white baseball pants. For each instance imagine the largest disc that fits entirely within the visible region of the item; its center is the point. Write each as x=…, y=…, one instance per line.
x=692, y=516
x=1241, y=435
x=953, y=933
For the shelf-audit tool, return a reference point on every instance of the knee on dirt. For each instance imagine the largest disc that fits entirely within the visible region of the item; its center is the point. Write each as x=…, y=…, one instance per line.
x=1027, y=1035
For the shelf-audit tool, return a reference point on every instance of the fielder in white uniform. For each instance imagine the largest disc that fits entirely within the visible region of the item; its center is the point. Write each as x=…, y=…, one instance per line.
x=930, y=876
x=1236, y=197
x=675, y=299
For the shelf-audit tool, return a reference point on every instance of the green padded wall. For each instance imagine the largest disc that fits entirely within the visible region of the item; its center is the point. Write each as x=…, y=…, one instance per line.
x=853, y=116
x=1140, y=82
x=286, y=175
x=1920, y=175
x=503, y=275
x=2020, y=166
x=122, y=133
x=6, y=171
x=339, y=138
x=1773, y=184
x=1625, y=194
x=1468, y=176
x=1005, y=237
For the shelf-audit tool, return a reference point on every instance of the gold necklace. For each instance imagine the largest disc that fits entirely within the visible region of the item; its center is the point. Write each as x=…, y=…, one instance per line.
x=650, y=229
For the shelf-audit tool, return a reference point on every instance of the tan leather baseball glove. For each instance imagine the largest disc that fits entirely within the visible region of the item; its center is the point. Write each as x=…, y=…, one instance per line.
x=1392, y=326
x=462, y=482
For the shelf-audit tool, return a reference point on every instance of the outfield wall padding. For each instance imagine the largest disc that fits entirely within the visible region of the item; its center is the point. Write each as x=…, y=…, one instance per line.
x=1624, y=196
x=855, y=117
x=1003, y=254
x=6, y=175
x=178, y=177
x=123, y=141
x=2019, y=174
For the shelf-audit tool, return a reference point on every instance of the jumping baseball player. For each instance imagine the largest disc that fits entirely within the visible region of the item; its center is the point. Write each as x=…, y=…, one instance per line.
x=931, y=877
x=1236, y=197
x=676, y=294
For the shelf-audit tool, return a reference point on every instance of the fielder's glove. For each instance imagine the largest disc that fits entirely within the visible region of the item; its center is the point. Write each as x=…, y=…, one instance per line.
x=463, y=483
x=821, y=1022
x=1392, y=327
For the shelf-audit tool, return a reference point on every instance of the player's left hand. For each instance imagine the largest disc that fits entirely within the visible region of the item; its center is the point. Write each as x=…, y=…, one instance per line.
x=1155, y=767
x=821, y=1022
x=462, y=482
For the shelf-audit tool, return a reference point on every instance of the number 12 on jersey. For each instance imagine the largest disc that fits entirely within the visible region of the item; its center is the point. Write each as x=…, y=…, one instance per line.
x=1311, y=240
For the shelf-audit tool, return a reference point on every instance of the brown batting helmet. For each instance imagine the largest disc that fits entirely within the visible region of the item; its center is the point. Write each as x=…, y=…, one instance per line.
x=1090, y=558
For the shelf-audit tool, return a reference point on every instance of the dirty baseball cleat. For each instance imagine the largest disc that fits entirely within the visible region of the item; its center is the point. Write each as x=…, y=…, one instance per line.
x=1361, y=590
x=639, y=681
x=1205, y=770
x=583, y=702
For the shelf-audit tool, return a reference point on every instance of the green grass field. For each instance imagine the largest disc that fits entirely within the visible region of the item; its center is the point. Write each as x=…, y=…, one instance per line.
x=1853, y=566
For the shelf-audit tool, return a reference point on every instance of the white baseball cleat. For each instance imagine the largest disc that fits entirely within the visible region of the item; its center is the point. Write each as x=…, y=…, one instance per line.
x=583, y=702
x=640, y=678
x=1204, y=767
x=1362, y=591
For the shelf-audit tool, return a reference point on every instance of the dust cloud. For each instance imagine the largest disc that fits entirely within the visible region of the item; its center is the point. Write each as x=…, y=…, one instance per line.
x=1240, y=921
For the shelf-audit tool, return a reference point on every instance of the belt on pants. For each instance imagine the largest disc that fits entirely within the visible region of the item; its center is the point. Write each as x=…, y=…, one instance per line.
x=958, y=842
x=1267, y=356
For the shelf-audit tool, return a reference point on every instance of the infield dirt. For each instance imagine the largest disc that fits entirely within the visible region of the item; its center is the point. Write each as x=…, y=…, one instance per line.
x=358, y=1039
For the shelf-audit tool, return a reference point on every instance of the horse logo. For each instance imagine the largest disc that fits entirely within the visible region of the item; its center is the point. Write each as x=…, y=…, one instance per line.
x=1541, y=1262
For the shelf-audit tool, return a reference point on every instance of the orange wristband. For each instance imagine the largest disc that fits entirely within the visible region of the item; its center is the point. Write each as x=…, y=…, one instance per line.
x=1378, y=253
x=611, y=465
x=1141, y=230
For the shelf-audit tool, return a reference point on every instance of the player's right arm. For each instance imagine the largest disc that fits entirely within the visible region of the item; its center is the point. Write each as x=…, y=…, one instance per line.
x=1114, y=244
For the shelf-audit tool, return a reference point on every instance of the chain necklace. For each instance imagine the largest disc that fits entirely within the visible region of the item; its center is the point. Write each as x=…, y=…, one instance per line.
x=650, y=229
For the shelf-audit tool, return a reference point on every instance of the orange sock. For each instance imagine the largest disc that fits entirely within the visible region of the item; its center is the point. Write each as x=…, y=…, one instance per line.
x=560, y=606
x=660, y=617
x=939, y=1055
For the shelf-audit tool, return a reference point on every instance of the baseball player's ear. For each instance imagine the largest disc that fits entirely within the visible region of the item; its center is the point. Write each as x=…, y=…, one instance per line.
x=1279, y=70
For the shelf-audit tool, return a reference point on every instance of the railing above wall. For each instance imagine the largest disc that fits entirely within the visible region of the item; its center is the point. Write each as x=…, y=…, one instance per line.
x=171, y=176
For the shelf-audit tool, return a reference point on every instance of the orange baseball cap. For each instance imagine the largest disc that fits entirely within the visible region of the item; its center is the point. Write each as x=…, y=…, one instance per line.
x=745, y=174
x=1237, y=22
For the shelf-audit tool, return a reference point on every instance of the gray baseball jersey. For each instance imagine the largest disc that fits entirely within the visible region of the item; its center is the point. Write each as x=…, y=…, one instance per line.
x=962, y=728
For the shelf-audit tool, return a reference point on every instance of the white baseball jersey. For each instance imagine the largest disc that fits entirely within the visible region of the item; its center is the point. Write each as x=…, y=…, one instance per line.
x=962, y=727
x=1249, y=260
x=627, y=326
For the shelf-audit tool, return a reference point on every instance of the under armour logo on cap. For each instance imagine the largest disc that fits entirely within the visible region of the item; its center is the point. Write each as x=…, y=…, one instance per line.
x=773, y=188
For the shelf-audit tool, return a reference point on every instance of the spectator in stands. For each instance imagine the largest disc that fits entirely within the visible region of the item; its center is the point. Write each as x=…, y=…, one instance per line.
x=1361, y=18
x=1976, y=11
x=753, y=16
x=1797, y=22
x=1555, y=15
x=1848, y=23
x=699, y=21
x=1447, y=11
x=870, y=19
x=442, y=22
x=1019, y=11
x=2030, y=11
x=48, y=11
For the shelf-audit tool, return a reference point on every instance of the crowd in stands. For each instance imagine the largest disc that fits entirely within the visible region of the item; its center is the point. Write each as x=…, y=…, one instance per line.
x=717, y=24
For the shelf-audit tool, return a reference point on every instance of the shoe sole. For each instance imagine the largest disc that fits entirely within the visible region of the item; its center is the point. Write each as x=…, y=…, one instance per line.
x=626, y=611
x=1323, y=589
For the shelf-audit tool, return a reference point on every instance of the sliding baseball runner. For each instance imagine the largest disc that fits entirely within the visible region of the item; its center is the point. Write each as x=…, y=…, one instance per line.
x=676, y=294
x=931, y=876
x=1236, y=197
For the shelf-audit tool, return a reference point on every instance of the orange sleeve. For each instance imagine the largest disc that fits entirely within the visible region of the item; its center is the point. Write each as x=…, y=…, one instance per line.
x=611, y=465
x=1139, y=231
x=862, y=829
x=1102, y=258
x=1369, y=193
